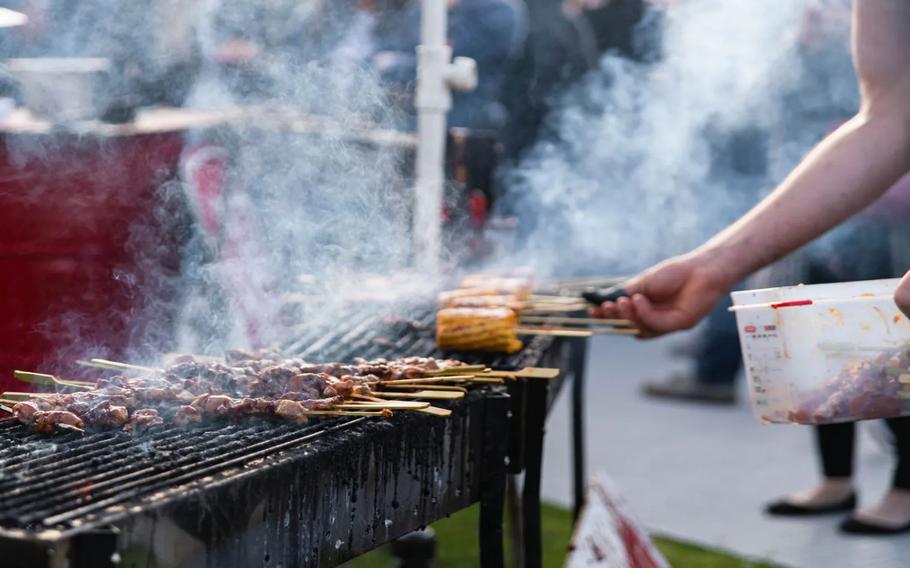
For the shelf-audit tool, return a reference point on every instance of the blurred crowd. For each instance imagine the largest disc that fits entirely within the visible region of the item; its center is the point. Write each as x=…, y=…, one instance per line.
x=179, y=52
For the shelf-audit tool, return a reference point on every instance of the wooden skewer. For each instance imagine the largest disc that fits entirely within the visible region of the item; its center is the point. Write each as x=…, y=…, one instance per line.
x=430, y=387
x=434, y=410
x=575, y=321
x=584, y=281
x=460, y=370
x=566, y=332
x=544, y=299
x=423, y=394
x=10, y=396
x=615, y=331
x=556, y=332
x=575, y=302
x=555, y=308
x=527, y=373
x=440, y=379
x=117, y=366
x=342, y=413
x=50, y=380
x=390, y=404
x=6, y=409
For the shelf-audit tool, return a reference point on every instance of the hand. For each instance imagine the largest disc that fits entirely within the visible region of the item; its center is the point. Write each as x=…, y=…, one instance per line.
x=902, y=294
x=672, y=296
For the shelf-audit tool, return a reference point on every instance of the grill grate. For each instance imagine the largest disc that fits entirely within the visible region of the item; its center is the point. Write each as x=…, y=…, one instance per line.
x=391, y=335
x=52, y=482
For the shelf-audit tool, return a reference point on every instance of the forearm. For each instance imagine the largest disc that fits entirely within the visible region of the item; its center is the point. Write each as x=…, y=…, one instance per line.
x=846, y=172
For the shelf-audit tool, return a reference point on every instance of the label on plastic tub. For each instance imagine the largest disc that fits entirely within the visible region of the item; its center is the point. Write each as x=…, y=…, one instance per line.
x=764, y=356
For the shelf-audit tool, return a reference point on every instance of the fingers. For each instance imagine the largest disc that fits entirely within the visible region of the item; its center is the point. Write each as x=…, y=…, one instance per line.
x=902, y=294
x=605, y=310
x=653, y=321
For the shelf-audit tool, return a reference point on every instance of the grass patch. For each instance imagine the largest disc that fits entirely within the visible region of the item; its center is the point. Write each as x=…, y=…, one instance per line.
x=685, y=555
x=457, y=545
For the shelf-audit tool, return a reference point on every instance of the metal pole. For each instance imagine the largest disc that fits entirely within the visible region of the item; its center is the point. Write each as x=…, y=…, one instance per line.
x=433, y=101
x=578, y=350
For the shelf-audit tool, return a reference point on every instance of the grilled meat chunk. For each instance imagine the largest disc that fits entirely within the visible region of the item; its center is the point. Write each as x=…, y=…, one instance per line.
x=49, y=420
x=143, y=419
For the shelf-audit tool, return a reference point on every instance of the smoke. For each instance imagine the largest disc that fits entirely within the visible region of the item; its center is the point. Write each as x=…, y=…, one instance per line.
x=649, y=159
x=305, y=180
x=316, y=179
x=306, y=177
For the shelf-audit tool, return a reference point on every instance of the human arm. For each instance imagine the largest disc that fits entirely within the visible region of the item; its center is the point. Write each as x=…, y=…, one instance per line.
x=847, y=171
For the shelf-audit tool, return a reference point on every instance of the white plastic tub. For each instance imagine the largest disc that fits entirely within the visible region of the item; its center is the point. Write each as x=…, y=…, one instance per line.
x=825, y=353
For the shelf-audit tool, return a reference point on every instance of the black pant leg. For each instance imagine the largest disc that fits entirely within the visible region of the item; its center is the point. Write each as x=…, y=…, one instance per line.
x=835, y=446
x=901, y=429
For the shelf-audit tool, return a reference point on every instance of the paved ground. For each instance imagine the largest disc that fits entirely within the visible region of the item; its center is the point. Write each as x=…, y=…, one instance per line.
x=702, y=473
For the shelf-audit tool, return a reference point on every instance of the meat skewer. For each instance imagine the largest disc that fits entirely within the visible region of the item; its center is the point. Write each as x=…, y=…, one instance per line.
x=188, y=391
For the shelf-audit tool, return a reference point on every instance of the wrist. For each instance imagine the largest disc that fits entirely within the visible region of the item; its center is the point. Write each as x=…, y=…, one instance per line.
x=721, y=264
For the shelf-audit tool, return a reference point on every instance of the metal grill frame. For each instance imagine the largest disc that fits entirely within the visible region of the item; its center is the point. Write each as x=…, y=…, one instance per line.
x=376, y=481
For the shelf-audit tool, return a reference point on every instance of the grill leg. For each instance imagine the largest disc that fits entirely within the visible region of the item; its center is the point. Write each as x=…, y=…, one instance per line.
x=535, y=423
x=578, y=350
x=493, y=482
x=513, y=500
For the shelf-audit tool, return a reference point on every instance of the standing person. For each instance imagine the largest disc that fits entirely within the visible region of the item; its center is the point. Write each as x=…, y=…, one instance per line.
x=559, y=50
x=843, y=174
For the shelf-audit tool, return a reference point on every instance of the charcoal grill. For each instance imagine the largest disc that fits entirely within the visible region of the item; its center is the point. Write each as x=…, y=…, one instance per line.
x=257, y=493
